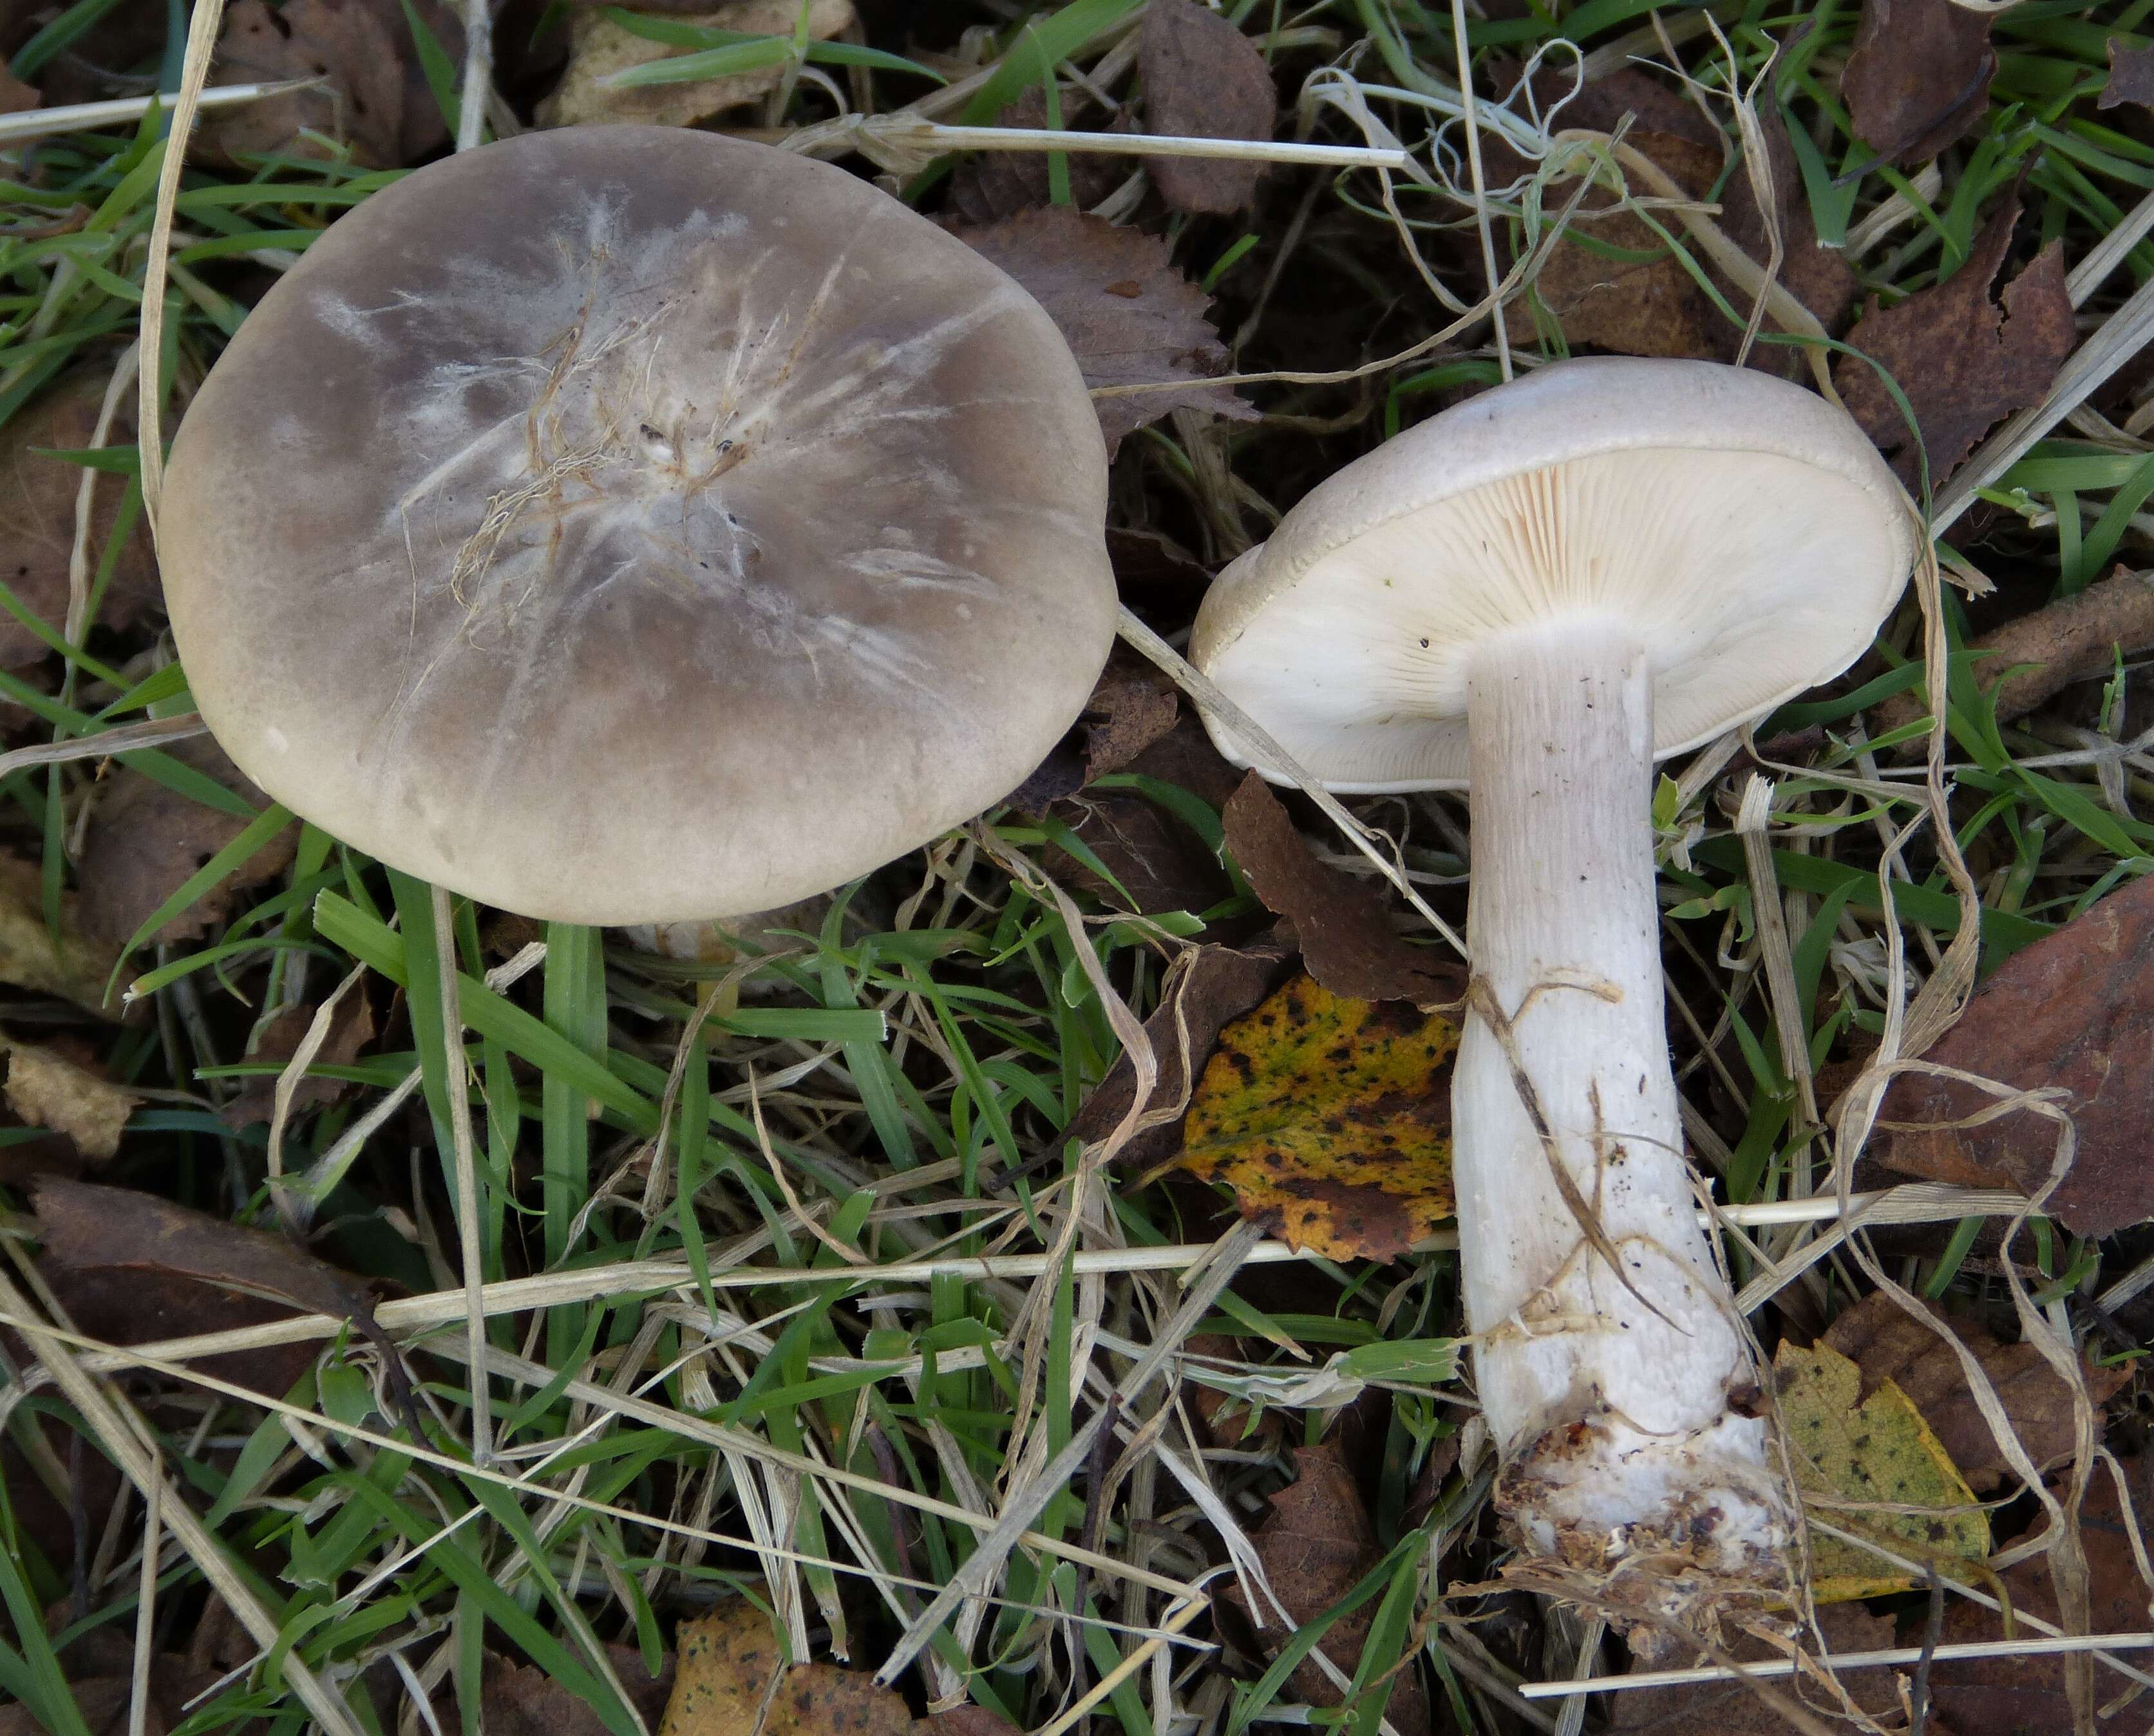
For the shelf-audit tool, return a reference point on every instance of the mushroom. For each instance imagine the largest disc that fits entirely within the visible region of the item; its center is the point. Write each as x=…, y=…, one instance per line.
x=1538, y=594
x=629, y=525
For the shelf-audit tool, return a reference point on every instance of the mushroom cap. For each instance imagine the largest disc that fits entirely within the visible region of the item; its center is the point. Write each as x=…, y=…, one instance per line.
x=628, y=524
x=1740, y=528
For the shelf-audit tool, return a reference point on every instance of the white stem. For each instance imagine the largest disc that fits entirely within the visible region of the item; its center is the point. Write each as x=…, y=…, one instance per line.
x=1619, y=1401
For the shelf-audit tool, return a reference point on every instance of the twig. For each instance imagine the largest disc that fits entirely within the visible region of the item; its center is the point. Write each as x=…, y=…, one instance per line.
x=128, y=110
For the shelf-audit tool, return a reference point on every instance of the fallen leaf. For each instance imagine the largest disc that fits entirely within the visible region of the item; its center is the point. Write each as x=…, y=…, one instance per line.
x=1343, y=921
x=2130, y=76
x=351, y=1029
x=1332, y=1117
x=2025, y=1695
x=524, y=1701
x=967, y=1721
x=2074, y=1011
x=1315, y=1544
x=144, y=841
x=1729, y=1708
x=1817, y=276
x=987, y=186
x=1129, y=317
x=1155, y=574
x=1160, y=863
x=1203, y=79
x=72, y=966
x=1876, y=1450
x=88, y=1230
x=1964, y=361
x=598, y=49
x=370, y=92
x=49, y=1089
x=1918, y=76
x=1133, y=704
x=1612, y=284
x=726, y=1662
x=1210, y=987
x=1887, y=1343
x=16, y=96
x=37, y=496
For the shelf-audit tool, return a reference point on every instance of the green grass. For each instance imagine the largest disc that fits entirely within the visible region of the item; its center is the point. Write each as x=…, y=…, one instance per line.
x=892, y=1084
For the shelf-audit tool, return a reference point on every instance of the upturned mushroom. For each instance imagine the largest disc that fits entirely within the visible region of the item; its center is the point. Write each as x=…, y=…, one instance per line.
x=630, y=525
x=1537, y=594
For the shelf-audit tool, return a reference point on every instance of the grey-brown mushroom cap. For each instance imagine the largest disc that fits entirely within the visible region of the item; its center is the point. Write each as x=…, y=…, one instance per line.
x=629, y=525
x=1744, y=530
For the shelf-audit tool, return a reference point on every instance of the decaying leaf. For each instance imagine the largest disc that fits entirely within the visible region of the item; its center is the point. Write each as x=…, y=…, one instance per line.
x=38, y=497
x=144, y=841
x=1315, y=1544
x=599, y=49
x=1133, y=704
x=16, y=96
x=1728, y=1708
x=1964, y=361
x=1128, y=315
x=1342, y=920
x=88, y=1230
x=1918, y=76
x=1855, y=1457
x=1332, y=1115
x=1158, y=861
x=49, y=1089
x=371, y=91
x=74, y=967
x=1203, y=79
x=351, y=1029
x=989, y=185
x=726, y=1662
x=1213, y=986
x=2006, y=1696
x=1887, y=1343
x=2130, y=76
x=524, y=1701
x=2074, y=1011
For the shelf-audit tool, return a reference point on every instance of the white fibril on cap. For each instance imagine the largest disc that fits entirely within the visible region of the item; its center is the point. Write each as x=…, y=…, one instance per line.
x=1536, y=595
x=627, y=524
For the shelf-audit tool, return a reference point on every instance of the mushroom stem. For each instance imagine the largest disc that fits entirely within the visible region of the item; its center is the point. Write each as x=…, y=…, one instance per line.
x=1617, y=1400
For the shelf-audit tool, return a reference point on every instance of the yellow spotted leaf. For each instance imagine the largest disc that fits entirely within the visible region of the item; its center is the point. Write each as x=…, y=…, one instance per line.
x=1332, y=1117
x=732, y=1678
x=1858, y=1465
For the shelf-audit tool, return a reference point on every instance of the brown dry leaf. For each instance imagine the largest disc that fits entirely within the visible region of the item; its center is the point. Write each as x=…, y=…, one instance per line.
x=1161, y=864
x=1728, y=1708
x=1316, y=1544
x=726, y=1664
x=967, y=1721
x=2130, y=76
x=37, y=510
x=1332, y=1116
x=372, y=96
x=351, y=1029
x=1215, y=985
x=151, y=1244
x=1133, y=704
x=1203, y=79
x=16, y=96
x=1964, y=361
x=1129, y=317
x=74, y=967
x=523, y=1701
x=1887, y=1343
x=1872, y=1467
x=987, y=186
x=144, y=841
x=1648, y=306
x=1918, y=76
x=1817, y=276
x=1344, y=921
x=598, y=49
x=2010, y=1695
x=2074, y=1010
x=48, y=1089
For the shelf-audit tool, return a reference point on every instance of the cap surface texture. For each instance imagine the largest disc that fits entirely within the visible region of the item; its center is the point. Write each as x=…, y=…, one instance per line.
x=628, y=524
x=1742, y=529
